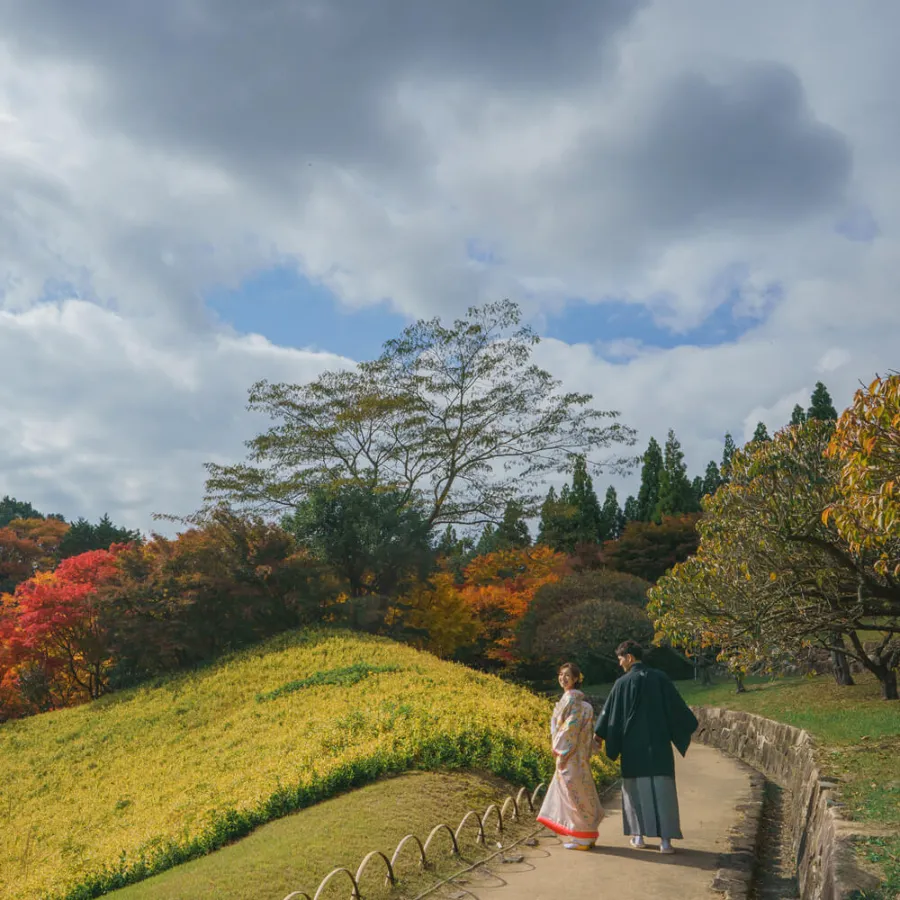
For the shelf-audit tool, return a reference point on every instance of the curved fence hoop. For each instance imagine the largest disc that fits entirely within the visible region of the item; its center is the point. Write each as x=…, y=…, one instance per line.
x=434, y=831
x=403, y=843
x=487, y=812
x=515, y=806
x=355, y=895
x=523, y=797
x=465, y=819
x=517, y=803
x=389, y=879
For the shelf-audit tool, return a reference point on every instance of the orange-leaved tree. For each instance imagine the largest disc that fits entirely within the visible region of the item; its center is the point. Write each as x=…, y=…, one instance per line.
x=28, y=546
x=499, y=587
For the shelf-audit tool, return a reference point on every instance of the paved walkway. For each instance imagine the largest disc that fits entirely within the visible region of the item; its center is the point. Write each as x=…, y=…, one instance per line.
x=710, y=785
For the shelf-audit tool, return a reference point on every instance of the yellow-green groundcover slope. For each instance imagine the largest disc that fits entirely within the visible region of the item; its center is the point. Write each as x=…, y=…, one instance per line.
x=100, y=796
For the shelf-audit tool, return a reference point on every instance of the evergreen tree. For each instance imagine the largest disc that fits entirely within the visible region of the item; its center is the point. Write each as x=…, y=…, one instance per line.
x=557, y=514
x=631, y=511
x=820, y=405
x=586, y=526
x=761, y=434
x=697, y=490
x=82, y=536
x=512, y=532
x=798, y=416
x=712, y=480
x=487, y=543
x=648, y=495
x=676, y=495
x=612, y=519
x=10, y=509
x=727, y=453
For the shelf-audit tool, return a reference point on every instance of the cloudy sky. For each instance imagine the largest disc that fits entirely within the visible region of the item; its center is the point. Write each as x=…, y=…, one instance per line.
x=695, y=202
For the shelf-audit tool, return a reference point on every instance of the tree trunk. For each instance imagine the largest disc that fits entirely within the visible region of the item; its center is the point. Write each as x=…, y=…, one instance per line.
x=840, y=665
x=739, y=681
x=705, y=677
x=883, y=666
x=889, y=684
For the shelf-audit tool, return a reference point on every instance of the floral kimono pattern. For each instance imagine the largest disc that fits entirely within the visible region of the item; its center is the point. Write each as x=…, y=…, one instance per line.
x=572, y=807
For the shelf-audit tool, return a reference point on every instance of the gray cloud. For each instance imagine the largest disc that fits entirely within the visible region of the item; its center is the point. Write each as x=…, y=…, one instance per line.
x=748, y=151
x=280, y=84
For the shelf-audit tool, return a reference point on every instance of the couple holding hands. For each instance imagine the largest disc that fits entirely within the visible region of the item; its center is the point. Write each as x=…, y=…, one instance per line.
x=642, y=718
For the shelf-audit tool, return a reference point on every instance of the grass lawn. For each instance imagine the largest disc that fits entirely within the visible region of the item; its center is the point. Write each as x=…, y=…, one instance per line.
x=296, y=852
x=858, y=736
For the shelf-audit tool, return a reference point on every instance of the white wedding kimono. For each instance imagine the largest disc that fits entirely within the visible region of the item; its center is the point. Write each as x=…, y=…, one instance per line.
x=572, y=807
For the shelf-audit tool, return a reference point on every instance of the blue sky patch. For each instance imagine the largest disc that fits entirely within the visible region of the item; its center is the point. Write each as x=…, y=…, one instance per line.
x=291, y=311
x=619, y=320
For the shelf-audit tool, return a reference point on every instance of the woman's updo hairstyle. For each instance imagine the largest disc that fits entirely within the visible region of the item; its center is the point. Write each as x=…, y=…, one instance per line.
x=574, y=671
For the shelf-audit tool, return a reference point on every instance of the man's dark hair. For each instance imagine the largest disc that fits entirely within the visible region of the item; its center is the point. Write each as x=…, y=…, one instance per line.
x=632, y=647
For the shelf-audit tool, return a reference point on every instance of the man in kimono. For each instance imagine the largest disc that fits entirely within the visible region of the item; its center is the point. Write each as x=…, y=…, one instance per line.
x=641, y=719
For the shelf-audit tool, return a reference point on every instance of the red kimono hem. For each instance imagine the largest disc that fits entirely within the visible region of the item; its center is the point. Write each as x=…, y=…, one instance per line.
x=559, y=829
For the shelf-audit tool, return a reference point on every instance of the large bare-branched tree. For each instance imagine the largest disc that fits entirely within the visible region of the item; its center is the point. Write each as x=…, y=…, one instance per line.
x=455, y=418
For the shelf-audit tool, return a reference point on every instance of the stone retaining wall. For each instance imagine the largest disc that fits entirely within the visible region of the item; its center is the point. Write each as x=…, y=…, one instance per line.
x=821, y=839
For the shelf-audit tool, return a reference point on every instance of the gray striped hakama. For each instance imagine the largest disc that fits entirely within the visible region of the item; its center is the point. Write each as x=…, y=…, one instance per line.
x=650, y=807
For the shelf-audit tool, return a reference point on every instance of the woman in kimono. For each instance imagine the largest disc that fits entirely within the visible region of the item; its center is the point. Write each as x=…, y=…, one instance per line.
x=572, y=808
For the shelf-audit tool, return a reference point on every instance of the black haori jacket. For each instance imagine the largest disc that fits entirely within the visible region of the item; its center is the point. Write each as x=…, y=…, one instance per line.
x=641, y=719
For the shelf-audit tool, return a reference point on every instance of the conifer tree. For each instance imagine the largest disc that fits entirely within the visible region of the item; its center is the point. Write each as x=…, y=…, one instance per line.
x=697, y=491
x=631, y=510
x=487, y=543
x=557, y=514
x=648, y=495
x=612, y=519
x=761, y=434
x=586, y=526
x=798, y=416
x=727, y=453
x=820, y=405
x=512, y=532
x=712, y=480
x=676, y=495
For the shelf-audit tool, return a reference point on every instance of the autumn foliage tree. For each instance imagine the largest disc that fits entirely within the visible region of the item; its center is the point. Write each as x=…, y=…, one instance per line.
x=867, y=444
x=648, y=549
x=53, y=635
x=28, y=546
x=437, y=608
x=498, y=589
x=225, y=582
x=772, y=573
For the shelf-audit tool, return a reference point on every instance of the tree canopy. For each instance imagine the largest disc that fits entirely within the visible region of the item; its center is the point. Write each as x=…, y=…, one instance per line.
x=457, y=418
x=772, y=573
